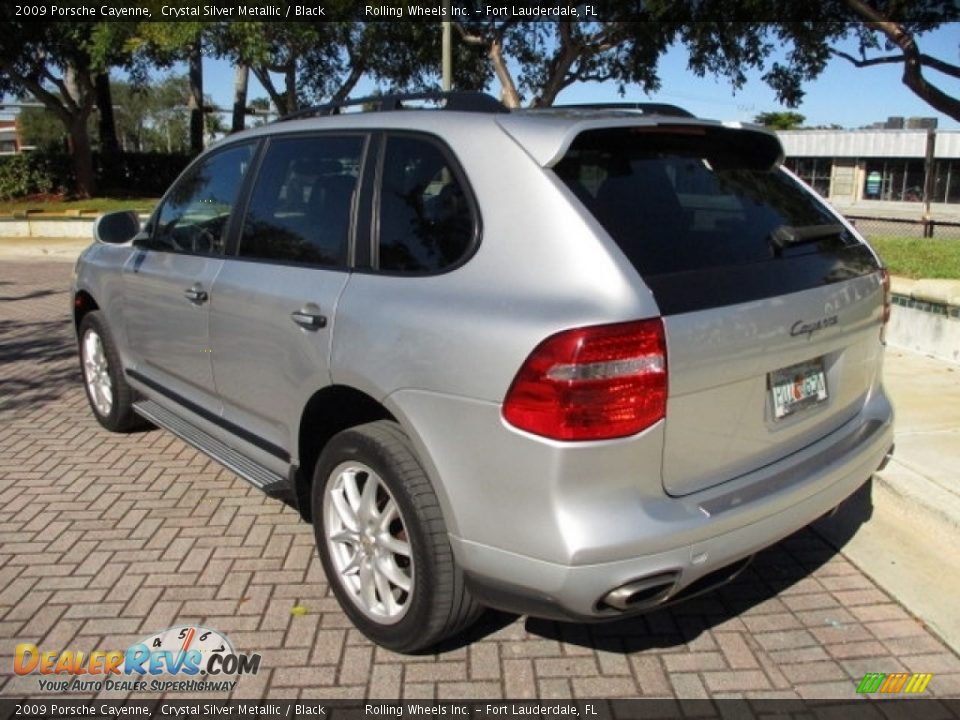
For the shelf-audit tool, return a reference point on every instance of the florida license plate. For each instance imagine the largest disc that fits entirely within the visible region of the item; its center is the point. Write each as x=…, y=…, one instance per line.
x=797, y=387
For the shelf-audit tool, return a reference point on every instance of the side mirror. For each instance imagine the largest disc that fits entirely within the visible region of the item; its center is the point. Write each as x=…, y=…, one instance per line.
x=116, y=228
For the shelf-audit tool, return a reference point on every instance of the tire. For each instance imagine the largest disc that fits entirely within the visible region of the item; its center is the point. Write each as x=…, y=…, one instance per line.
x=393, y=573
x=110, y=398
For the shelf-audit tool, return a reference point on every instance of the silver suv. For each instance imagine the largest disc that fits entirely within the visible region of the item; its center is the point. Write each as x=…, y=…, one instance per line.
x=576, y=363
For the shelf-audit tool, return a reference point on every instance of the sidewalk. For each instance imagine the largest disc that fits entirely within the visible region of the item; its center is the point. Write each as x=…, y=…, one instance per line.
x=906, y=536
x=910, y=543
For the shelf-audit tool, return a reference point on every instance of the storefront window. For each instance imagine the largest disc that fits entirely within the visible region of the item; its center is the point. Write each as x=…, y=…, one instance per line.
x=894, y=179
x=815, y=172
x=946, y=181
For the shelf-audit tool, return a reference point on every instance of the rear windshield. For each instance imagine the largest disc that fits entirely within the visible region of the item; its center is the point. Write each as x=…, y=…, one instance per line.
x=694, y=204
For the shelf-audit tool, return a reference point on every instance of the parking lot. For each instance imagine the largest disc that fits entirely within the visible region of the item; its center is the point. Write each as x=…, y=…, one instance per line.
x=105, y=539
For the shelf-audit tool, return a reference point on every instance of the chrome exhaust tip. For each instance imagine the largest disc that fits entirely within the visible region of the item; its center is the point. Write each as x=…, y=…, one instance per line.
x=644, y=592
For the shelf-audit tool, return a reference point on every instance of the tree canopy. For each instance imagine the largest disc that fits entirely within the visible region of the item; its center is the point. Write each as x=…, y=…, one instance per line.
x=65, y=65
x=780, y=120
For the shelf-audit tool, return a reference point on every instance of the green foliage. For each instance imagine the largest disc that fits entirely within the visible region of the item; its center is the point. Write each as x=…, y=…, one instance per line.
x=785, y=120
x=919, y=257
x=41, y=128
x=42, y=172
x=38, y=172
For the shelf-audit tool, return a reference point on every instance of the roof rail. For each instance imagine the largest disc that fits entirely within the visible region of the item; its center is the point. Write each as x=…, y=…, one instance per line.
x=645, y=108
x=464, y=101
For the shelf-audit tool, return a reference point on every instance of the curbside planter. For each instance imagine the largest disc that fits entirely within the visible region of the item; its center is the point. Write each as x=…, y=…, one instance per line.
x=926, y=317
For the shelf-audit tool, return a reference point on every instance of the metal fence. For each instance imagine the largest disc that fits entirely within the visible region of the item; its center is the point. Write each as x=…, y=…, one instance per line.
x=888, y=227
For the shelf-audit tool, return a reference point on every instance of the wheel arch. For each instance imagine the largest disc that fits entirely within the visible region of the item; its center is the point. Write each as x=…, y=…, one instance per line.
x=329, y=410
x=83, y=303
x=336, y=408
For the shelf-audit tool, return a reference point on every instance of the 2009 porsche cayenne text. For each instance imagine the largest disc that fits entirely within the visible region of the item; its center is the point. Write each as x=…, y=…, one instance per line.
x=575, y=363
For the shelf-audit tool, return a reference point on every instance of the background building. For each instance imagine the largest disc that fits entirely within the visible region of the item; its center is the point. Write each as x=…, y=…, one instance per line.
x=877, y=171
x=10, y=143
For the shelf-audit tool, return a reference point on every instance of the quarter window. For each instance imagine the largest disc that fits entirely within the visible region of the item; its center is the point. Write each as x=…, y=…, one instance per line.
x=425, y=222
x=194, y=216
x=301, y=206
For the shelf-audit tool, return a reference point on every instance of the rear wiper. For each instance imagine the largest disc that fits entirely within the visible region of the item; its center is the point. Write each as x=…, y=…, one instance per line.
x=785, y=236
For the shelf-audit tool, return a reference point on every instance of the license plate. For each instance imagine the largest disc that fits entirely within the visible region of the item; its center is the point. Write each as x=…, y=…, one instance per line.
x=797, y=387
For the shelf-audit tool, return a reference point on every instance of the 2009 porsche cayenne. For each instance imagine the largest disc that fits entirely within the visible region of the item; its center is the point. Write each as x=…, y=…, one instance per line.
x=574, y=363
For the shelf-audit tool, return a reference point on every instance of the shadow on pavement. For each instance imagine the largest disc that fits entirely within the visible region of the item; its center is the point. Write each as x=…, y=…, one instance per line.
x=772, y=571
x=38, y=363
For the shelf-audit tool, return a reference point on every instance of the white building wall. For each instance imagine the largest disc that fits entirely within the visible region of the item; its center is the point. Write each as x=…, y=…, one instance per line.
x=868, y=143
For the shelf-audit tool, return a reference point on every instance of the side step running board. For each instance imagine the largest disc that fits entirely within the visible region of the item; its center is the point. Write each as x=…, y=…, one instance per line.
x=251, y=471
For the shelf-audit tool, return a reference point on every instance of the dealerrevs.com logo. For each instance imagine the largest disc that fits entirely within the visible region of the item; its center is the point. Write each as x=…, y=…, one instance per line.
x=185, y=658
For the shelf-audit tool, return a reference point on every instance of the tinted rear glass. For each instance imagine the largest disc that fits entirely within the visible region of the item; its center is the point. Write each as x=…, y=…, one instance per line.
x=694, y=205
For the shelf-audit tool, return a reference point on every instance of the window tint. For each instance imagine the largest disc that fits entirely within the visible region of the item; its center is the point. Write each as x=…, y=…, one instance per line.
x=300, y=209
x=705, y=219
x=426, y=223
x=194, y=216
x=672, y=206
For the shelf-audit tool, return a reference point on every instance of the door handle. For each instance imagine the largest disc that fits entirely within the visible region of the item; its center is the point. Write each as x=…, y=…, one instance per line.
x=196, y=294
x=310, y=317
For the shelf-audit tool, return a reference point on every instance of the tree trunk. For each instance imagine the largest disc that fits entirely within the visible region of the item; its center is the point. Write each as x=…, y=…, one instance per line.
x=240, y=77
x=107, y=125
x=82, y=156
x=195, y=101
x=290, y=79
x=509, y=95
x=109, y=147
x=80, y=86
x=356, y=72
x=262, y=74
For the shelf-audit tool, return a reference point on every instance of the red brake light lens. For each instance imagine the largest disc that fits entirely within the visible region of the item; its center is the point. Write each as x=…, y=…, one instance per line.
x=594, y=383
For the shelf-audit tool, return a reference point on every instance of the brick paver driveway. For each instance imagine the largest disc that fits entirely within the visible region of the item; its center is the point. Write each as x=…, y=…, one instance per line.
x=106, y=538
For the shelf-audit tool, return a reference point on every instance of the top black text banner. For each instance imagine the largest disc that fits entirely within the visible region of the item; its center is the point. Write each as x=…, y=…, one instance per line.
x=465, y=11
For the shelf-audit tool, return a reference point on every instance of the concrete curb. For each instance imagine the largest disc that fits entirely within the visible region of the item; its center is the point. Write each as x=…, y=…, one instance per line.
x=61, y=227
x=937, y=292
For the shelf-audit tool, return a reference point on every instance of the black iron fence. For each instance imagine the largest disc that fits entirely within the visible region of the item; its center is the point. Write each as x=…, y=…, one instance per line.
x=890, y=227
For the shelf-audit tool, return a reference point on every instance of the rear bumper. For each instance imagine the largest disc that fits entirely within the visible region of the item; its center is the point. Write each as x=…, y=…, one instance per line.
x=692, y=540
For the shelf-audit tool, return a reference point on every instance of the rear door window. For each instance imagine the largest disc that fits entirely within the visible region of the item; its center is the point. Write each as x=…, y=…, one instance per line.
x=705, y=219
x=301, y=207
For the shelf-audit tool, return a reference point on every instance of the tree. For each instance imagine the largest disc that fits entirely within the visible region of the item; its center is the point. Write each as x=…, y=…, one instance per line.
x=168, y=42
x=260, y=109
x=780, y=120
x=554, y=54
x=39, y=127
x=153, y=119
x=238, y=118
x=324, y=61
x=724, y=38
x=53, y=63
x=535, y=61
x=904, y=36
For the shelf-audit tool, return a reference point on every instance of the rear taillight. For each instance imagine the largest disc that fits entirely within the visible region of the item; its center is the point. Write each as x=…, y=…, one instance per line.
x=887, y=302
x=592, y=383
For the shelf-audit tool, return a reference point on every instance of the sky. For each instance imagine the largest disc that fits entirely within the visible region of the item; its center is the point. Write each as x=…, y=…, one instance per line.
x=845, y=95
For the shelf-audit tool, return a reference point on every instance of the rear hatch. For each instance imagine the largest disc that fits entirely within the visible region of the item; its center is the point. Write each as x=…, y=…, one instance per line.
x=772, y=306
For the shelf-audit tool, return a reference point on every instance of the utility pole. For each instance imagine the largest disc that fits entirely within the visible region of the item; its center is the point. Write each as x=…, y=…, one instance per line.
x=929, y=168
x=447, y=48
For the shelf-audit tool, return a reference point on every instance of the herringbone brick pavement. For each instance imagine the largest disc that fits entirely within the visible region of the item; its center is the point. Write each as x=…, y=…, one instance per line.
x=107, y=538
